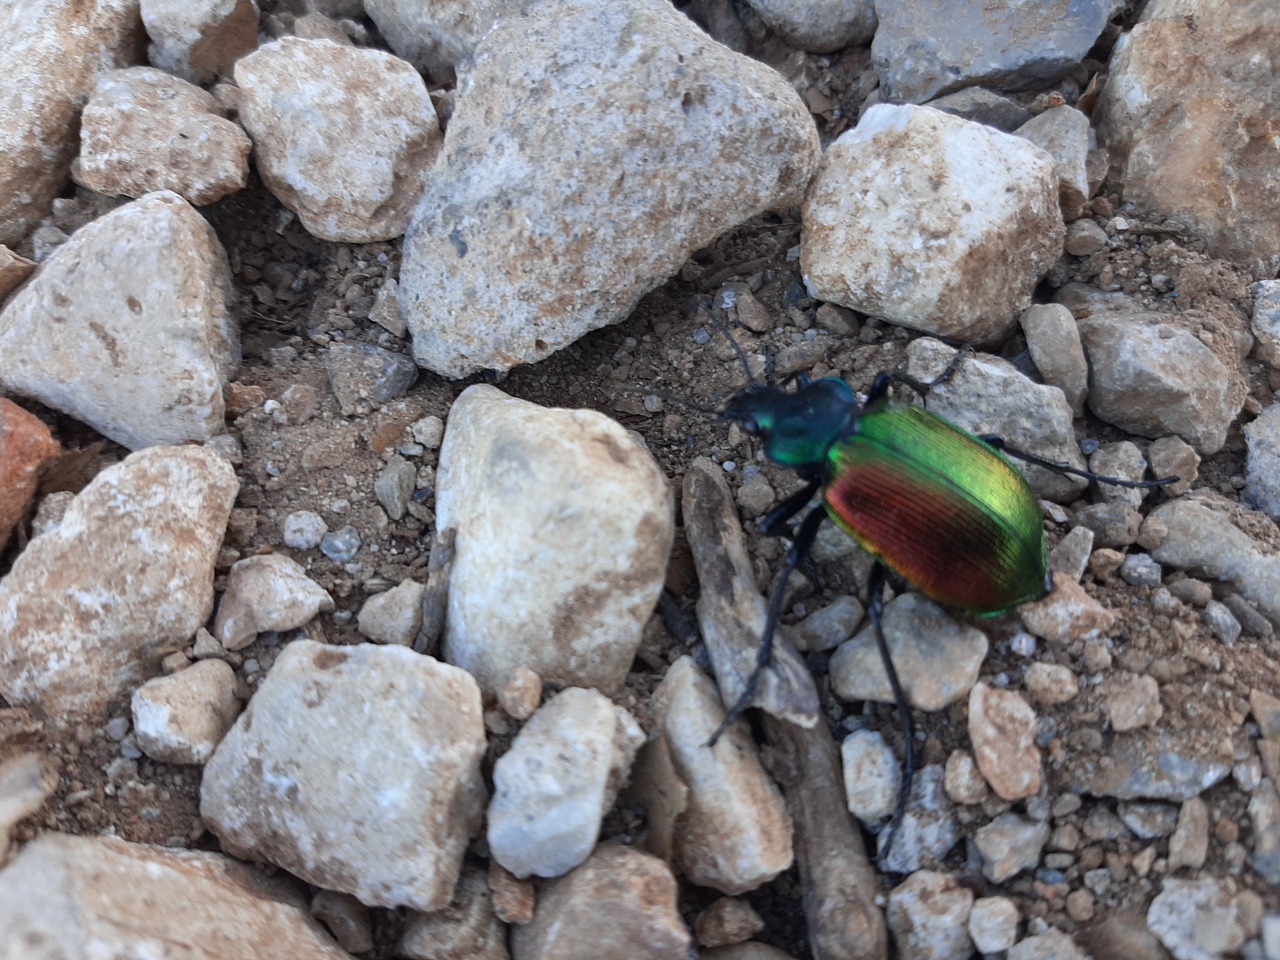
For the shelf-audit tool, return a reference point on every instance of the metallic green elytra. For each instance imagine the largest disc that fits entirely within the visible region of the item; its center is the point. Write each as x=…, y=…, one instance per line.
x=941, y=508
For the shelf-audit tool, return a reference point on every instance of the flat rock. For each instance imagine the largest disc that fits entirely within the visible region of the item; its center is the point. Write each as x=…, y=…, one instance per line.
x=52, y=53
x=1196, y=919
x=129, y=327
x=1151, y=764
x=1178, y=94
x=356, y=174
x=199, y=41
x=180, y=718
x=66, y=896
x=25, y=447
x=81, y=623
x=906, y=172
x=564, y=523
x=524, y=241
x=1265, y=321
x=819, y=26
x=1002, y=728
x=1132, y=701
x=928, y=914
x=1066, y=614
x=268, y=592
x=144, y=130
x=364, y=377
x=356, y=768
x=983, y=106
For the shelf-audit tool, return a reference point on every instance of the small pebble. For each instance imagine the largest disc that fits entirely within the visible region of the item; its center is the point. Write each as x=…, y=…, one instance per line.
x=304, y=529
x=1222, y=622
x=1140, y=570
x=341, y=545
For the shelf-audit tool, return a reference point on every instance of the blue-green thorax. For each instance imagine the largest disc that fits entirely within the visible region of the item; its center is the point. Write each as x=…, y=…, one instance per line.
x=798, y=429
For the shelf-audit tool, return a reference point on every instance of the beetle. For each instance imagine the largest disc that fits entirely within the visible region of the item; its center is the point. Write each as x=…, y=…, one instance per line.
x=943, y=509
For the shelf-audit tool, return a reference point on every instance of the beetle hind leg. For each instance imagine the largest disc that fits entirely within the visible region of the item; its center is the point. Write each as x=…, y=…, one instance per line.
x=875, y=606
x=998, y=443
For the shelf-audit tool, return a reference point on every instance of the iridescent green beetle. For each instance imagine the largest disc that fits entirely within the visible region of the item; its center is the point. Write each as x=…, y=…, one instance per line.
x=943, y=509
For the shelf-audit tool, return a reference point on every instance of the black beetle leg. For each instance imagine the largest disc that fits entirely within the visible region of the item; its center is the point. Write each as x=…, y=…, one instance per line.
x=998, y=442
x=885, y=380
x=775, y=519
x=799, y=549
x=875, y=605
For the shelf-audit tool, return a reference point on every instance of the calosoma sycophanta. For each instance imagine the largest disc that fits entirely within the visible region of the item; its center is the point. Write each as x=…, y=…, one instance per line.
x=943, y=509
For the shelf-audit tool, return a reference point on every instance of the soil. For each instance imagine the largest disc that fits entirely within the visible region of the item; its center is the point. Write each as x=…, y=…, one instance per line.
x=659, y=373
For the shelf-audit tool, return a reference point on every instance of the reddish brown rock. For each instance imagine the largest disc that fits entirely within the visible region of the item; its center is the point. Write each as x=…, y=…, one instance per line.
x=25, y=444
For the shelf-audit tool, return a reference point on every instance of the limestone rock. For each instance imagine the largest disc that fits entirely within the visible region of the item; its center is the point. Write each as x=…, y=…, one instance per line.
x=1054, y=341
x=1002, y=729
x=435, y=37
x=928, y=914
x=90, y=608
x=268, y=592
x=129, y=326
x=524, y=240
x=821, y=26
x=1063, y=133
x=466, y=928
x=200, y=40
x=180, y=718
x=395, y=615
x=1262, y=471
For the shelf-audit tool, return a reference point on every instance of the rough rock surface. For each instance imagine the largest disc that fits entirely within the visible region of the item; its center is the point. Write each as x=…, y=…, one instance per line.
x=25, y=446
x=436, y=37
x=199, y=41
x=270, y=592
x=1002, y=728
x=819, y=26
x=523, y=242
x=129, y=327
x=180, y=718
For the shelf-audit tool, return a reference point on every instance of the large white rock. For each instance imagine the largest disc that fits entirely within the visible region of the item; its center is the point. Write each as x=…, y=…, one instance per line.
x=85, y=898
x=199, y=39
x=356, y=768
x=573, y=183
x=129, y=326
x=90, y=608
x=343, y=136
x=931, y=222
x=564, y=523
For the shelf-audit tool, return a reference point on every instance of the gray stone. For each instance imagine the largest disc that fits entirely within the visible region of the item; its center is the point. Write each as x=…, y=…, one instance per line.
x=1139, y=570
x=1265, y=321
x=199, y=41
x=1247, y=615
x=1010, y=844
x=303, y=529
x=1264, y=815
x=1173, y=457
x=1050, y=945
x=928, y=829
x=1114, y=523
x=524, y=240
x=872, y=778
x=394, y=486
x=1149, y=764
x=1262, y=469
x=1148, y=821
x=1063, y=133
x=1123, y=461
x=434, y=37
x=993, y=924
x=363, y=376
x=829, y=627
x=1084, y=237
x=1196, y=919
x=1054, y=341
x=983, y=106
x=928, y=914
x=395, y=615
x=1222, y=622
x=341, y=545
x=819, y=26
x=1071, y=555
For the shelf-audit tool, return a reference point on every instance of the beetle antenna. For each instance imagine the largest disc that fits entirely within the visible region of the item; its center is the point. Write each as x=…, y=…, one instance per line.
x=1068, y=470
x=737, y=348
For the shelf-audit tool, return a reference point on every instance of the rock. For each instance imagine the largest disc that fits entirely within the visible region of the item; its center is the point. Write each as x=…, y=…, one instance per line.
x=1002, y=730
x=429, y=431
x=1050, y=945
x=145, y=130
x=963, y=782
x=80, y=624
x=1010, y=844
x=62, y=897
x=26, y=780
x=1151, y=764
x=619, y=905
x=1162, y=115
x=751, y=950
x=1266, y=711
x=1063, y=133
x=267, y=592
x=734, y=834
x=364, y=376
x=13, y=270
x=1067, y=614
x=296, y=784
x=1124, y=461
x=25, y=447
x=553, y=787
x=827, y=628
x=1084, y=237
x=928, y=914
x=937, y=658
x=1054, y=341
x=983, y=106
x=521, y=695
x=1172, y=457
x=1190, y=841
x=1196, y=919
x=564, y=584
x=1246, y=616
x=129, y=327
x=180, y=718
x=524, y=242
x=303, y=530
x=1264, y=814
x=466, y=928
x=1132, y=701
x=435, y=38
x=395, y=615
x=357, y=174
x=819, y=27
x=1265, y=321
x=395, y=485
x=1050, y=683
x=872, y=778
x=1071, y=556
x=512, y=899
x=200, y=41
x=1147, y=821
x=385, y=311
x=52, y=54
x=1114, y=523
x=991, y=241
x=928, y=829
x=1262, y=470
x=993, y=924
x=1203, y=540
x=346, y=918
x=727, y=921
x=341, y=545
x=1153, y=379
x=1222, y=622
x=1139, y=570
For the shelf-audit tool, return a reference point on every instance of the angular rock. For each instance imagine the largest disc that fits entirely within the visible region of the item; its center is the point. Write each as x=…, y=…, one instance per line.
x=564, y=524
x=145, y=130
x=524, y=241
x=1010, y=844
x=1176, y=111
x=827, y=628
x=928, y=914
x=1063, y=133
x=619, y=905
x=267, y=592
x=1054, y=341
x=347, y=919
x=1262, y=470
x=1196, y=919
x=343, y=136
x=904, y=172
x=872, y=778
x=363, y=376
x=1050, y=945
x=25, y=447
x=983, y=106
x=1132, y=701
x=303, y=530
x=81, y=623
x=53, y=51
x=819, y=26
x=395, y=615
x=1152, y=379
x=13, y=270
x=734, y=834
x=356, y=768
x=928, y=829
x=1123, y=461
x=1189, y=844
x=553, y=787
x=466, y=928
x=1067, y=614
x=1152, y=764
x=1264, y=815
x=993, y=924
x=1002, y=729
x=727, y=921
x=436, y=37
x=1051, y=683
x=961, y=779
x=1071, y=555
x=936, y=657
x=66, y=896
x=1084, y=237
x=987, y=395
x=200, y=41
x=129, y=327
x=26, y=780
x=395, y=485
x=1115, y=524
x=182, y=717
x=1265, y=322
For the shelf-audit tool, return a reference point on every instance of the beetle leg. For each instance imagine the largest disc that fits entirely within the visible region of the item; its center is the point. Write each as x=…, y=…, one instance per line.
x=799, y=549
x=993, y=440
x=885, y=380
x=771, y=525
x=875, y=605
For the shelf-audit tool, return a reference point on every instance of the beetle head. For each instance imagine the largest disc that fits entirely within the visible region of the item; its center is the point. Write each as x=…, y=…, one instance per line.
x=797, y=428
